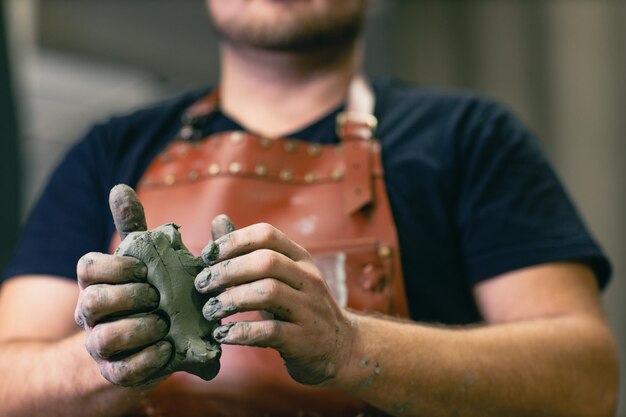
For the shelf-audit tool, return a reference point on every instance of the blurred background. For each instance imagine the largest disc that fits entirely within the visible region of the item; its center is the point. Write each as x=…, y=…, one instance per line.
x=560, y=65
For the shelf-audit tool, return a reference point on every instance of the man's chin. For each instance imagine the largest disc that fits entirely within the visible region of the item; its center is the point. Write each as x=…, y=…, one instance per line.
x=288, y=25
x=306, y=35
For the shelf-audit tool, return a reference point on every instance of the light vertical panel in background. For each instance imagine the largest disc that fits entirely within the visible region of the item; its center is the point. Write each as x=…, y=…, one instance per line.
x=507, y=58
x=424, y=42
x=586, y=119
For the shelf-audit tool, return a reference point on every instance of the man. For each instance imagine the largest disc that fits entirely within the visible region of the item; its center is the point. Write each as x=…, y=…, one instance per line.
x=485, y=231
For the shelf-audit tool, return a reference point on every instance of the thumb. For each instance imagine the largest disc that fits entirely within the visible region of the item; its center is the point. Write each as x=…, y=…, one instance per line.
x=127, y=211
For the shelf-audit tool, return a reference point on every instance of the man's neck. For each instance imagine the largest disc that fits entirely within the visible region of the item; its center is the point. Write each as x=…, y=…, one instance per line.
x=274, y=93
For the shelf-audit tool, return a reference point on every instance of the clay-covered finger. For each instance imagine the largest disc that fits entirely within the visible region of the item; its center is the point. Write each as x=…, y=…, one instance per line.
x=262, y=333
x=117, y=337
x=268, y=295
x=251, y=238
x=100, y=301
x=139, y=368
x=251, y=267
x=128, y=213
x=221, y=226
x=101, y=268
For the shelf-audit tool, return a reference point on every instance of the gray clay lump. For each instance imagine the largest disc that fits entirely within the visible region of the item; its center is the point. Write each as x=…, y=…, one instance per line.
x=172, y=270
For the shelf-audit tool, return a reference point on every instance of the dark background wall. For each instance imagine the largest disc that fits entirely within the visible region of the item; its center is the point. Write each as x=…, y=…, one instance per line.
x=10, y=177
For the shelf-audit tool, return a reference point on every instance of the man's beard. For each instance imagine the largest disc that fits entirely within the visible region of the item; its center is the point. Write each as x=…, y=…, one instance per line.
x=300, y=35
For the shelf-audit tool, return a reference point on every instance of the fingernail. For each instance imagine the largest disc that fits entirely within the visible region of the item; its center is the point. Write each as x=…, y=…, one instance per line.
x=140, y=270
x=211, y=309
x=203, y=279
x=220, y=333
x=162, y=326
x=210, y=253
x=153, y=296
x=164, y=349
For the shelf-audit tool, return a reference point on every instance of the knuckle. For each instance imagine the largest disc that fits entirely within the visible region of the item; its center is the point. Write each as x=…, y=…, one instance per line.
x=79, y=318
x=267, y=259
x=85, y=266
x=90, y=299
x=318, y=282
x=106, y=371
x=93, y=345
x=121, y=373
x=269, y=288
x=244, y=331
x=101, y=342
x=88, y=306
x=272, y=330
x=266, y=231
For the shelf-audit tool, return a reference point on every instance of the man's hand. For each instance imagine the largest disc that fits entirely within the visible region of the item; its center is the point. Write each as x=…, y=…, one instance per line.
x=259, y=268
x=114, y=305
x=125, y=347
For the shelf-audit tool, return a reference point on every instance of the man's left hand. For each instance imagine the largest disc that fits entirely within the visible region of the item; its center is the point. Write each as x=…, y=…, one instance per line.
x=258, y=268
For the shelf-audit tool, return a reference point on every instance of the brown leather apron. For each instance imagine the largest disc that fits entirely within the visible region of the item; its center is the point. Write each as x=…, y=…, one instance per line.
x=330, y=199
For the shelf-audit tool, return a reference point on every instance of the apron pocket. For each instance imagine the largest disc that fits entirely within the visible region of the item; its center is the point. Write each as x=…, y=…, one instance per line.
x=358, y=273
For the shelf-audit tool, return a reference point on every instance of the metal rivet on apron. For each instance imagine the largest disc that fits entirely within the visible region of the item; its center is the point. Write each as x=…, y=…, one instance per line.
x=166, y=158
x=193, y=175
x=265, y=142
x=384, y=251
x=314, y=150
x=310, y=177
x=235, y=167
x=236, y=137
x=169, y=179
x=374, y=278
x=337, y=174
x=286, y=175
x=291, y=147
x=260, y=170
x=187, y=133
x=214, y=169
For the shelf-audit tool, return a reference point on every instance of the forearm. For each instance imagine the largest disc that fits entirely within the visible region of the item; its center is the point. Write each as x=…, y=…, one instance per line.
x=562, y=366
x=57, y=379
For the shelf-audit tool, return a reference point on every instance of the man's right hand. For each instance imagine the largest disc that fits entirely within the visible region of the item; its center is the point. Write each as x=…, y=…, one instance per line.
x=116, y=305
x=126, y=345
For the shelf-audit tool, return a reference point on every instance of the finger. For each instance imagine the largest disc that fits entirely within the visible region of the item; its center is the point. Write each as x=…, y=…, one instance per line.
x=221, y=226
x=128, y=214
x=99, y=301
x=100, y=268
x=125, y=335
x=249, y=239
x=263, y=333
x=138, y=368
x=267, y=294
x=251, y=267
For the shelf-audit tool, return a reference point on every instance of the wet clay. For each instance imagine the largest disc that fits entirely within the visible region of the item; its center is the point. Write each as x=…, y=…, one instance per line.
x=172, y=270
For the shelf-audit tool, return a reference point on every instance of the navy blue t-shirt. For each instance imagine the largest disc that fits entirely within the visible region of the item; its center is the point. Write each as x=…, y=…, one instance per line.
x=471, y=192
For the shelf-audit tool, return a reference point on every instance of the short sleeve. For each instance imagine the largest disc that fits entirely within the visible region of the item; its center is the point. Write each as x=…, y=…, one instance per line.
x=513, y=211
x=68, y=219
